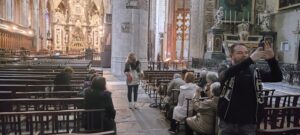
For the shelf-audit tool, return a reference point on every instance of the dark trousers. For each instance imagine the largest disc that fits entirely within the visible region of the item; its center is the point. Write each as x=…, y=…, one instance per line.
x=173, y=124
x=133, y=88
x=188, y=130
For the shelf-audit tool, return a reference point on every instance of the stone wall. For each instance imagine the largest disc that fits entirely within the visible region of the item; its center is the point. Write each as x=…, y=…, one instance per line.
x=284, y=23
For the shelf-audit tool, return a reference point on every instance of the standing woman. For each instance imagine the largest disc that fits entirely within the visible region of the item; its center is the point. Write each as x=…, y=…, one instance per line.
x=132, y=71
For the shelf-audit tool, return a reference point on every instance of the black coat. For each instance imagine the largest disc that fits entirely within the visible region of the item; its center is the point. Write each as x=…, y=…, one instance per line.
x=100, y=100
x=242, y=106
x=62, y=78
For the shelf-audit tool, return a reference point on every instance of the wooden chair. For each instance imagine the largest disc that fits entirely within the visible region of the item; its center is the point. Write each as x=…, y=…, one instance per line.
x=280, y=121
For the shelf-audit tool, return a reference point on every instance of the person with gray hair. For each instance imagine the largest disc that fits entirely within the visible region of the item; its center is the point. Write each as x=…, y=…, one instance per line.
x=174, y=84
x=202, y=80
x=204, y=121
x=171, y=100
x=211, y=77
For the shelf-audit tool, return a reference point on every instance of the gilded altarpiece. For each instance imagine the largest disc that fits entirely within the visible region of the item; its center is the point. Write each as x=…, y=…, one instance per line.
x=77, y=25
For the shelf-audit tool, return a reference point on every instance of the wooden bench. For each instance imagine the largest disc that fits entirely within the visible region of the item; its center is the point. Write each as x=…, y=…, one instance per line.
x=282, y=101
x=38, y=77
x=25, y=104
x=34, y=122
x=280, y=121
x=154, y=77
x=33, y=88
x=34, y=81
x=46, y=94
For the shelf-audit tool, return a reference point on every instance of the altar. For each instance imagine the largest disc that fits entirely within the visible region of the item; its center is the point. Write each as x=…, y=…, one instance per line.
x=75, y=28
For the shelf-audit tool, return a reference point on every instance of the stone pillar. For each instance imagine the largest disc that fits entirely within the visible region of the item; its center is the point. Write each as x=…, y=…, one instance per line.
x=24, y=12
x=129, y=34
x=196, y=35
x=159, y=28
x=2, y=9
x=9, y=9
x=35, y=24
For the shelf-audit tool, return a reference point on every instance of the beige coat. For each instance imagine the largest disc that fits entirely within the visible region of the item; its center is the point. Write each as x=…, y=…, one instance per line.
x=205, y=119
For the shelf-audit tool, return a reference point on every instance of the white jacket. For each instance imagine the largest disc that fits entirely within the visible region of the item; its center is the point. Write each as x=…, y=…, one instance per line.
x=186, y=91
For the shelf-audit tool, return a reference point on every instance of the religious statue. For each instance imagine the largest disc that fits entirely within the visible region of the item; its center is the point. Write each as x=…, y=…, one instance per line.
x=243, y=30
x=218, y=17
x=264, y=21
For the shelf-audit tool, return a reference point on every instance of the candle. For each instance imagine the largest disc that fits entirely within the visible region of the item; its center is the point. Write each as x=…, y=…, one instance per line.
x=248, y=17
x=229, y=16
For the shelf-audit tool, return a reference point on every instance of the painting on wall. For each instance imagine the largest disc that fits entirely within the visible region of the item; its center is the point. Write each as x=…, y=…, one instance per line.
x=237, y=10
x=218, y=43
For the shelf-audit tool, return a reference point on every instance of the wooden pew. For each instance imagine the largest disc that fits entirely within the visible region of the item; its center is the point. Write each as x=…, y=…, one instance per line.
x=37, y=72
x=277, y=101
x=280, y=121
x=33, y=81
x=25, y=104
x=34, y=122
x=38, y=77
x=46, y=94
x=33, y=88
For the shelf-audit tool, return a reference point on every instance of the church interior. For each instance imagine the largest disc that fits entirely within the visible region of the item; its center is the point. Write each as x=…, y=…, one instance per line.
x=85, y=41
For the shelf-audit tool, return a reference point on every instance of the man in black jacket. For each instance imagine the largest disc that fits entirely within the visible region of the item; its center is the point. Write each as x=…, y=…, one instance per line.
x=237, y=107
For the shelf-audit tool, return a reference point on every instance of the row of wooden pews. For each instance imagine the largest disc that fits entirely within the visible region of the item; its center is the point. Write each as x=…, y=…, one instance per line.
x=31, y=104
x=281, y=114
x=155, y=83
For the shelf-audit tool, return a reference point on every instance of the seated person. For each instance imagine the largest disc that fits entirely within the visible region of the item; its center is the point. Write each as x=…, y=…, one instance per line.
x=87, y=84
x=211, y=77
x=99, y=98
x=202, y=79
x=63, y=78
x=91, y=73
x=171, y=99
x=186, y=91
x=174, y=84
x=205, y=120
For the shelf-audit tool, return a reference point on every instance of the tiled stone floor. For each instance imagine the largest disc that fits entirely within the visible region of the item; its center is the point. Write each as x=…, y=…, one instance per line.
x=141, y=121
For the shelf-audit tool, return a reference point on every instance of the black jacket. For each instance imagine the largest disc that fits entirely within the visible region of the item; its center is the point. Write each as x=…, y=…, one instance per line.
x=242, y=106
x=101, y=100
x=62, y=78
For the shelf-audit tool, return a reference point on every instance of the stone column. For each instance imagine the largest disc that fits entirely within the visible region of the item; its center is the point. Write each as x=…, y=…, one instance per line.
x=24, y=12
x=35, y=24
x=2, y=8
x=201, y=21
x=9, y=9
x=197, y=32
x=129, y=34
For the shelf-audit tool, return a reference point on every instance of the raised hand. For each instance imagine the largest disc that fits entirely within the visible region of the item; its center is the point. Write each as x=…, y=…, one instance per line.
x=257, y=54
x=268, y=52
